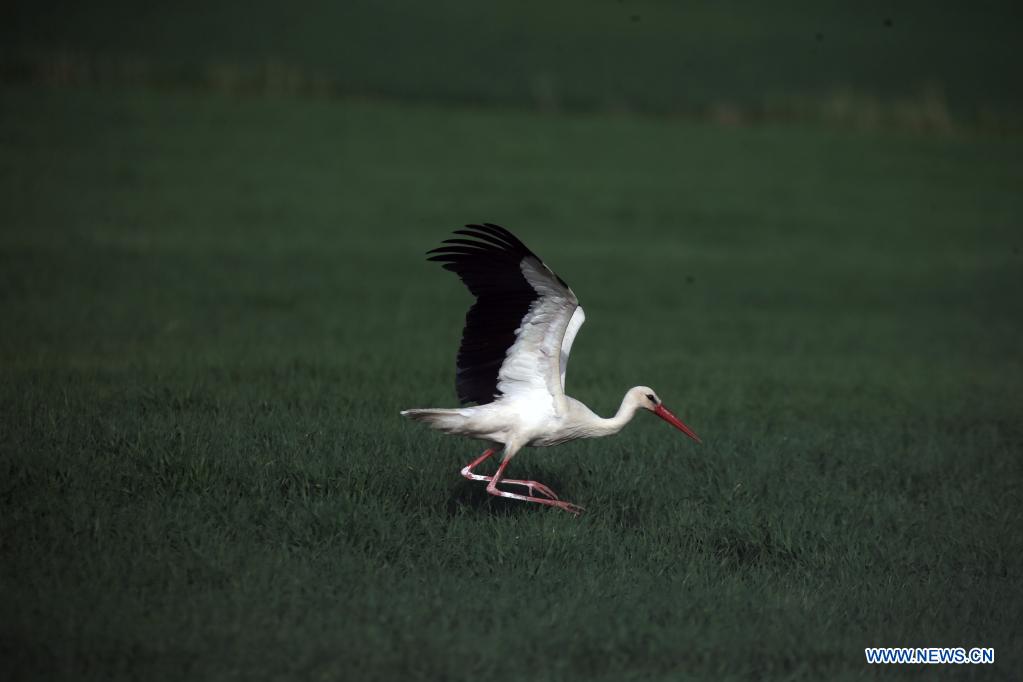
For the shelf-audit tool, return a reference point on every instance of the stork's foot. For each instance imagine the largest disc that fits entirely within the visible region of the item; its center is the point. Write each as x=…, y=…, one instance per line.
x=530, y=485
x=573, y=509
x=550, y=501
x=533, y=485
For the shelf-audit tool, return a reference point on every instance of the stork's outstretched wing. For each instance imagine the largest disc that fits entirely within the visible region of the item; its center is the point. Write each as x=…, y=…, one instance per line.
x=520, y=330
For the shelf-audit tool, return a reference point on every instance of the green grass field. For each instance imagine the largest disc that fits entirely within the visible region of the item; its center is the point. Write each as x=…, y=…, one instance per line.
x=214, y=308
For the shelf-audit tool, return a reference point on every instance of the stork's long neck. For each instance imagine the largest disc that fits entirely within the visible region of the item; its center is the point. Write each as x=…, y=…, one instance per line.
x=612, y=425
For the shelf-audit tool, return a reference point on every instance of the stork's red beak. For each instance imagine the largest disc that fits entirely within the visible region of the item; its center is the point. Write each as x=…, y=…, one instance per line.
x=665, y=414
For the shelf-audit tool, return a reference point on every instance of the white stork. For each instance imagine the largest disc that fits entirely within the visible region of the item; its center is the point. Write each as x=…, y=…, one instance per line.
x=513, y=358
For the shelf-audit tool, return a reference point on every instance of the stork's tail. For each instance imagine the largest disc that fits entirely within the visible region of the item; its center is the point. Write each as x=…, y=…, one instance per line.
x=437, y=418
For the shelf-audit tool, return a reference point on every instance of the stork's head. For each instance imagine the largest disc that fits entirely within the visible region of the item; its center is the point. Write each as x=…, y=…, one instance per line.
x=645, y=397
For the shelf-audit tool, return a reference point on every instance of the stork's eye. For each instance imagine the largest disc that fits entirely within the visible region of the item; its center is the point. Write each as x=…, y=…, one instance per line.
x=651, y=398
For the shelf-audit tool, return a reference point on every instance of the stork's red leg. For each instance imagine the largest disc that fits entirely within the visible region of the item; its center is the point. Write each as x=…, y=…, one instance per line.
x=467, y=471
x=560, y=504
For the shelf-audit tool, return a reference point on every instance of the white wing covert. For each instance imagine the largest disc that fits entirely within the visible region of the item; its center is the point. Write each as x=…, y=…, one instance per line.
x=578, y=317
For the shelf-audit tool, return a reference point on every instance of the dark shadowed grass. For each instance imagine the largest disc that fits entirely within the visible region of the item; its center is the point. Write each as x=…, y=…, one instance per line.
x=871, y=64
x=214, y=309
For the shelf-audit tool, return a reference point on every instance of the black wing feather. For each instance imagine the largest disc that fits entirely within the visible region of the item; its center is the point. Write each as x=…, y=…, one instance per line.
x=489, y=265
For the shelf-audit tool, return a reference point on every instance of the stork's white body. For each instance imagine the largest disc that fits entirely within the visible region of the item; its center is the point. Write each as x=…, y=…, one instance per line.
x=514, y=356
x=523, y=422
